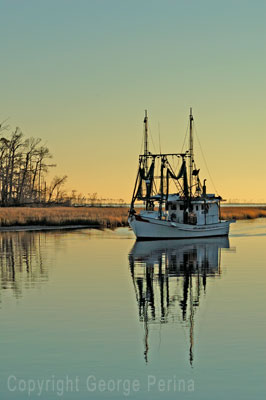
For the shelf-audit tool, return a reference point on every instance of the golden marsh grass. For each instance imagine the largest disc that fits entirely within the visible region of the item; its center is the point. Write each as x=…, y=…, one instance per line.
x=243, y=212
x=102, y=217
x=110, y=217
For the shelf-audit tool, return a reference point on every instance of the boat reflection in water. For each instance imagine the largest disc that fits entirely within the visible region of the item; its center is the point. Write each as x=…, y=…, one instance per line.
x=169, y=278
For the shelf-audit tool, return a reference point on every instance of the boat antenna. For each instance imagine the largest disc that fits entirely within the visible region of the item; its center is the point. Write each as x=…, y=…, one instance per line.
x=190, y=150
x=146, y=143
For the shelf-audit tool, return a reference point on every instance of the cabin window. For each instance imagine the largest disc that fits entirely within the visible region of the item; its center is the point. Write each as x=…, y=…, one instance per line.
x=205, y=208
x=173, y=206
x=173, y=217
x=181, y=207
x=197, y=208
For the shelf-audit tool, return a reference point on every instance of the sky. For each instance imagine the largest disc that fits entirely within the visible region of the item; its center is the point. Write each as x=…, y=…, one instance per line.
x=79, y=74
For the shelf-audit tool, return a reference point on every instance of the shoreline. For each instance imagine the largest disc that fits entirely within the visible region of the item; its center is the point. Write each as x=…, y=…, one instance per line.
x=40, y=228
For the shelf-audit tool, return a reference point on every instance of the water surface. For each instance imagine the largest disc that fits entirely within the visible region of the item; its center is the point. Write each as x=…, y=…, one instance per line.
x=92, y=314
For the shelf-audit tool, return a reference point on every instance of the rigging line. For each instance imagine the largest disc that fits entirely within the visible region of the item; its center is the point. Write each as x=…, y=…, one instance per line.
x=152, y=139
x=177, y=162
x=156, y=174
x=185, y=137
x=159, y=132
x=176, y=185
x=154, y=182
x=205, y=162
x=141, y=147
x=155, y=191
x=180, y=187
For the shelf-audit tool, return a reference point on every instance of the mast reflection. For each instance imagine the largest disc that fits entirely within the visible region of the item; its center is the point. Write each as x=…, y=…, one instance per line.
x=169, y=277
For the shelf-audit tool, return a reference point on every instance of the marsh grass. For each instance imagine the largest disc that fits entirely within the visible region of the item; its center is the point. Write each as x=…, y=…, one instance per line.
x=98, y=217
x=243, y=212
x=109, y=217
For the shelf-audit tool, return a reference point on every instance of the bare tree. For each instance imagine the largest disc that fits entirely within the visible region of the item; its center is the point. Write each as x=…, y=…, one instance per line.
x=55, y=187
x=31, y=151
x=24, y=164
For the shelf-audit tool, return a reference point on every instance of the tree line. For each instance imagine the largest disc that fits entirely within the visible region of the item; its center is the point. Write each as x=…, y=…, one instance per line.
x=24, y=166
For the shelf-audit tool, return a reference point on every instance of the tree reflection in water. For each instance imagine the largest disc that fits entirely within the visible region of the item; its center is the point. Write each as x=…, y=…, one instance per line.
x=23, y=260
x=169, y=277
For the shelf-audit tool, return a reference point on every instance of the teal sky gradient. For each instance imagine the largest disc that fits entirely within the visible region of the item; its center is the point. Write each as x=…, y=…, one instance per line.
x=79, y=74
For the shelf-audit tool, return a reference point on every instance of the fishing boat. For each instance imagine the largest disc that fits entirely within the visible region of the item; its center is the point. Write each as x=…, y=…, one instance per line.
x=174, y=203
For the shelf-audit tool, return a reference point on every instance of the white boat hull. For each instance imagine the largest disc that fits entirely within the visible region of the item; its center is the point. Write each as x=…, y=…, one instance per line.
x=151, y=228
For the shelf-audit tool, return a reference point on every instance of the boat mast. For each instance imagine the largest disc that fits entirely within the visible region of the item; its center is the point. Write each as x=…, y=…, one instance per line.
x=190, y=151
x=146, y=143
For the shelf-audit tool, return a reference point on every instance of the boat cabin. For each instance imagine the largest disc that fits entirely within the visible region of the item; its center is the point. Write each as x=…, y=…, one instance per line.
x=202, y=210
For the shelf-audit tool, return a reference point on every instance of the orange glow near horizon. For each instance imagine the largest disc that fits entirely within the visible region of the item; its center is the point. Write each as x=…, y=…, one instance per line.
x=87, y=71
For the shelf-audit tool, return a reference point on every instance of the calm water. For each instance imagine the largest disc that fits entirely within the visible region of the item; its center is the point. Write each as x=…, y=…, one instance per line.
x=90, y=314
